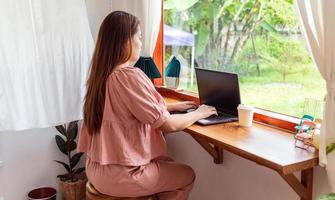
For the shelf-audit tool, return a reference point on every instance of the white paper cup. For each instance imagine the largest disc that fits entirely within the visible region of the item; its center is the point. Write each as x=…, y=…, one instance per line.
x=245, y=115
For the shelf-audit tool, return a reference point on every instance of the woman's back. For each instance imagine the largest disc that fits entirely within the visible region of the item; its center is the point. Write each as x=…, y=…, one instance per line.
x=132, y=112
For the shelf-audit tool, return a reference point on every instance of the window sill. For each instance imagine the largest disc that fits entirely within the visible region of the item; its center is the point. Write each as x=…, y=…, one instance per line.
x=263, y=116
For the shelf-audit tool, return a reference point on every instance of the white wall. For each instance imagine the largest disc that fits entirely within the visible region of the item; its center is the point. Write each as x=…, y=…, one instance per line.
x=28, y=155
x=97, y=10
x=28, y=161
x=236, y=178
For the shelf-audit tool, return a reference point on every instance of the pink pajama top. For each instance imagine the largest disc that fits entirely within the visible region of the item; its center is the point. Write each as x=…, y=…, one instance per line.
x=133, y=111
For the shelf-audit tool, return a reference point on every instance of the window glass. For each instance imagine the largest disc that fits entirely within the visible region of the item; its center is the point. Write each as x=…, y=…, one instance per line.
x=258, y=39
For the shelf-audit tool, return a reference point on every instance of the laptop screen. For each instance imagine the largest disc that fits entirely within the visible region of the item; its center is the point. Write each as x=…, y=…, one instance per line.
x=219, y=89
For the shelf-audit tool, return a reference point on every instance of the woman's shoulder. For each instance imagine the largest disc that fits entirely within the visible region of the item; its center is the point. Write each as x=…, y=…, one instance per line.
x=129, y=75
x=126, y=72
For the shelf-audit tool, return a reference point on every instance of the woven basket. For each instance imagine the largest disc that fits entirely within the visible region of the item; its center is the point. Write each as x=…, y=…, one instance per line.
x=73, y=191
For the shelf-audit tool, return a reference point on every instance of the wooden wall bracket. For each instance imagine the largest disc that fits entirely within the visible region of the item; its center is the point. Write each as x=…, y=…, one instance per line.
x=214, y=151
x=303, y=188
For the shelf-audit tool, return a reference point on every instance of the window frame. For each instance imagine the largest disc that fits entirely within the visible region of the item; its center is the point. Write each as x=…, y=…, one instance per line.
x=271, y=118
x=268, y=117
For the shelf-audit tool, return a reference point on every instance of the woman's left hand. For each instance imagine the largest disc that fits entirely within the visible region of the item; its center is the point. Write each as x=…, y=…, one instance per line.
x=182, y=106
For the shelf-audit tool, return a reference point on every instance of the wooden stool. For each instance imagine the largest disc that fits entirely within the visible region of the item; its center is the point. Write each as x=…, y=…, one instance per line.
x=93, y=194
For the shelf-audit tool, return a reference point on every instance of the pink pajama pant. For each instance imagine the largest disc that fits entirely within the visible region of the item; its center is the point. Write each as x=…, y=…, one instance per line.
x=167, y=179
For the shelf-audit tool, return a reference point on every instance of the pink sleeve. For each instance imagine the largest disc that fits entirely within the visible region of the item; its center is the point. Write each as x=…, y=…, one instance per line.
x=84, y=139
x=140, y=97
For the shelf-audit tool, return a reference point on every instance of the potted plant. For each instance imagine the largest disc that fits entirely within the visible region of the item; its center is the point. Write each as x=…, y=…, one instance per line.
x=330, y=196
x=330, y=148
x=72, y=183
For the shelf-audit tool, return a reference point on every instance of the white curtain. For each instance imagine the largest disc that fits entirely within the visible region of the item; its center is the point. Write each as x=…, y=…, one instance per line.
x=318, y=26
x=149, y=13
x=45, y=50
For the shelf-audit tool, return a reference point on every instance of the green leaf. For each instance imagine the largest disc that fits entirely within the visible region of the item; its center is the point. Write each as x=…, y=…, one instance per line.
x=268, y=27
x=223, y=8
x=70, y=146
x=77, y=171
x=330, y=148
x=202, y=39
x=330, y=196
x=72, y=130
x=183, y=5
x=61, y=129
x=168, y=4
x=75, y=159
x=240, y=10
x=61, y=144
x=197, y=12
x=66, y=166
x=211, y=11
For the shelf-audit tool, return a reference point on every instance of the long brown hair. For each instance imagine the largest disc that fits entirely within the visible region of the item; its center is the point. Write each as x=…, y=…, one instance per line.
x=113, y=47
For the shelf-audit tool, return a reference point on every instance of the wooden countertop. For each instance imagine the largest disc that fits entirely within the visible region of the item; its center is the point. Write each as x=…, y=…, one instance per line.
x=262, y=144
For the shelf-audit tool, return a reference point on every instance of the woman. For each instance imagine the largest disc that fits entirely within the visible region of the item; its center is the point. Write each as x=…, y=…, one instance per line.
x=124, y=117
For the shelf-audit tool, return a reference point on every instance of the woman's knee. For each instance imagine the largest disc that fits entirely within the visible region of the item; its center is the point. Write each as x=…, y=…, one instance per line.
x=190, y=174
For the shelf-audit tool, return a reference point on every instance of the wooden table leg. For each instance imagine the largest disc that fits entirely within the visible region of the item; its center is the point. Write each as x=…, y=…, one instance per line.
x=307, y=181
x=219, y=157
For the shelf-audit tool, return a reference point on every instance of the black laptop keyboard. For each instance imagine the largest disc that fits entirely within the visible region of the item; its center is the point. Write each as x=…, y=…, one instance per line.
x=221, y=116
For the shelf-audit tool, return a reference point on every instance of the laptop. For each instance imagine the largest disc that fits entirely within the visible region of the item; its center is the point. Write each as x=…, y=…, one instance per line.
x=220, y=90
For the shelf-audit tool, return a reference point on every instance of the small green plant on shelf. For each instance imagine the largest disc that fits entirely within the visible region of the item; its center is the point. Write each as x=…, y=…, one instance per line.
x=328, y=197
x=330, y=148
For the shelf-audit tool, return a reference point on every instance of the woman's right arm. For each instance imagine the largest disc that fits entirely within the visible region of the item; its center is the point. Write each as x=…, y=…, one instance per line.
x=179, y=122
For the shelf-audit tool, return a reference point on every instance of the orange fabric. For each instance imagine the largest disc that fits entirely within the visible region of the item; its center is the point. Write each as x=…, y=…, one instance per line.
x=158, y=56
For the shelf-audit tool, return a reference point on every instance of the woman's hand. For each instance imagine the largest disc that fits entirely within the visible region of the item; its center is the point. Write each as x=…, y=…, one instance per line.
x=206, y=111
x=178, y=122
x=181, y=106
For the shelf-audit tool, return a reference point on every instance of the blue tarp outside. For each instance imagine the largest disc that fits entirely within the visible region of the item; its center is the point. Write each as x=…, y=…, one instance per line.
x=175, y=37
